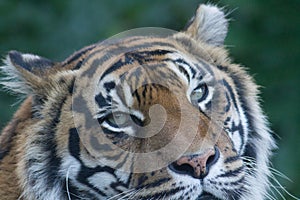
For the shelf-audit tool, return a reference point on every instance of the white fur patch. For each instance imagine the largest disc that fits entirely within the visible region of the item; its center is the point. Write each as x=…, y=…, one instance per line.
x=102, y=180
x=30, y=57
x=13, y=81
x=128, y=95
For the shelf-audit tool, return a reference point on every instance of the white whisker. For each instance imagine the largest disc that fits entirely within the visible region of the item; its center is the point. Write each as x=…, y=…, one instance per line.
x=67, y=182
x=121, y=194
x=251, y=162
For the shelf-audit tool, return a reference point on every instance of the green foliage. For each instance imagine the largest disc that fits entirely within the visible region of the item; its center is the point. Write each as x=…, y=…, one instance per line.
x=263, y=35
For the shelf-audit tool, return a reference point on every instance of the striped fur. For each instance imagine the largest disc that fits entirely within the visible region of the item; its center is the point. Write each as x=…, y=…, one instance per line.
x=65, y=143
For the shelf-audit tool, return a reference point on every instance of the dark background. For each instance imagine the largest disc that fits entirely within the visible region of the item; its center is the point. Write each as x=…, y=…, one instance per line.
x=263, y=35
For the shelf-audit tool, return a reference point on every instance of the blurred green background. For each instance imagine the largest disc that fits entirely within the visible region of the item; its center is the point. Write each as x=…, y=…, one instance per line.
x=263, y=35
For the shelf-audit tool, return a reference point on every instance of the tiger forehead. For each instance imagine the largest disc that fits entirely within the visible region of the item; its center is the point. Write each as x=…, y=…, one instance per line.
x=131, y=50
x=149, y=95
x=137, y=63
x=148, y=84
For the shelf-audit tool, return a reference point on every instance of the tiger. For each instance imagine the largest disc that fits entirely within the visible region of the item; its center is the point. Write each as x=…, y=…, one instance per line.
x=137, y=117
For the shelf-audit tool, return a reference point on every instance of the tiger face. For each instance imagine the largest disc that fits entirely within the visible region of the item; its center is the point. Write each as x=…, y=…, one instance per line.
x=141, y=117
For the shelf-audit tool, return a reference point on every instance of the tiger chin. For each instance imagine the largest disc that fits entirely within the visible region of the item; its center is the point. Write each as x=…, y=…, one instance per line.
x=138, y=117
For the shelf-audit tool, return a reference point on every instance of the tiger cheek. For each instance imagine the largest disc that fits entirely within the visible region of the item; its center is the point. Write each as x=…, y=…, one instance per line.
x=227, y=148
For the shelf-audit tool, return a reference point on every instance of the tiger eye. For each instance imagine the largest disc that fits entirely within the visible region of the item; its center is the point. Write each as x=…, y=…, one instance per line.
x=118, y=119
x=198, y=94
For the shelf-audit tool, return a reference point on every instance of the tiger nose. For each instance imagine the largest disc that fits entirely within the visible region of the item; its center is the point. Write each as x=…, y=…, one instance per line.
x=197, y=165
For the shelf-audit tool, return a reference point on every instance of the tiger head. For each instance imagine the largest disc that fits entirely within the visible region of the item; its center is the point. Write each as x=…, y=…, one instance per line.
x=140, y=117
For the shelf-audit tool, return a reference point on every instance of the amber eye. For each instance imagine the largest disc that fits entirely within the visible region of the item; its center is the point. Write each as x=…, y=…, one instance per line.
x=118, y=119
x=199, y=94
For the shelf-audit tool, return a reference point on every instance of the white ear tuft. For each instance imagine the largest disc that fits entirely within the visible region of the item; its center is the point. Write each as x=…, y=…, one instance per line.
x=12, y=79
x=208, y=25
x=23, y=72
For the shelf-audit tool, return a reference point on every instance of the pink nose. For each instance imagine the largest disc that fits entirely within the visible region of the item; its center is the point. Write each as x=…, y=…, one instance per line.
x=196, y=165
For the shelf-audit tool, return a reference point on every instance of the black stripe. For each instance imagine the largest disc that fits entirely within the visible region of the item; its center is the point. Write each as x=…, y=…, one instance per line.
x=240, y=129
x=74, y=141
x=182, y=70
x=78, y=65
x=109, y=86
x=228, y=105
x=94, y=142
x=50, y=145
x=75, y=193
x=236, y=193
x=138, y=98
x=83, y=176
x=250, y=152
x=80, y=106
x=235, y=127
x=231, y=159
x=122, y=162
x=205, y=66
x=47, y=142
x=144, y=93
x=142, y=179
x=118, y=50
x=137, y=72
x=86, y=172
x=101, y=101
x=223, y=68
x=162, y=194
x=117, y=65
x=229, y=89
x=77, y=55
x=181, y=61
x=157, y=183
x=241, y=89
x=232, y=173
x=129, y=57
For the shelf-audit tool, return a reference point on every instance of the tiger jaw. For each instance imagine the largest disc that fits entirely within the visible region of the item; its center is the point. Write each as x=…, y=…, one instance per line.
x=187, y=188
x=206, y=196
x=185, y=185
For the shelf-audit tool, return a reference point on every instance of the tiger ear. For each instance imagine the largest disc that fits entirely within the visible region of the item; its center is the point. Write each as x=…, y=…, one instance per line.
x=24, y=73
x=208, y=25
